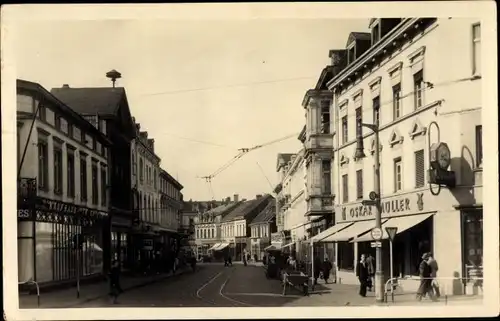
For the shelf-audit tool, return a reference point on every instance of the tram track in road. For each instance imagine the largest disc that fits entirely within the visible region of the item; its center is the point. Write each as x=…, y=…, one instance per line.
x=221, y=278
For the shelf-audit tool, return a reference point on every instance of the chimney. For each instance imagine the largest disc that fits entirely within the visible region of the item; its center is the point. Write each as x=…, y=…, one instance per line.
x=151, y=142
x=258, y=196
x=228, y=200
x=65, y=86
x=236, y=198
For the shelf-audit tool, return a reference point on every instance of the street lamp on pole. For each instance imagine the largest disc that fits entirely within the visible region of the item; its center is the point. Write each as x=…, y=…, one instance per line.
x=379, y=274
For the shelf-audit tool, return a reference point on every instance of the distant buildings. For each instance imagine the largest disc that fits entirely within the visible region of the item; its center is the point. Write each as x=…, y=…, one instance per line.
x=261, y=228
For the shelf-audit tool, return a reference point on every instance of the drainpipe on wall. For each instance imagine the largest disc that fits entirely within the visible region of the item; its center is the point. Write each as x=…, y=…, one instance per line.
x=337, y=158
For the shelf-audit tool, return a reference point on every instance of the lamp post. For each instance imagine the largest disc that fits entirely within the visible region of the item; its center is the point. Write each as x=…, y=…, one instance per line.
x=375, y=201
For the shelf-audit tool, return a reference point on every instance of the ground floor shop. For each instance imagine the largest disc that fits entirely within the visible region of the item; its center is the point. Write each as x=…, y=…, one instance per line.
x=425, y=223
x=58, y=242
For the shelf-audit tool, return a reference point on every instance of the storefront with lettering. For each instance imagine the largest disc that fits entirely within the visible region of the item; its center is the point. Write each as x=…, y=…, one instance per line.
x=57, y=240
x=424, y=222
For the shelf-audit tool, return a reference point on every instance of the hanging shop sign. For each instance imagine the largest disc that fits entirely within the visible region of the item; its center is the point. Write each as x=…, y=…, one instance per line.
x=147, y=244
x=277, y=237
x=394, y=206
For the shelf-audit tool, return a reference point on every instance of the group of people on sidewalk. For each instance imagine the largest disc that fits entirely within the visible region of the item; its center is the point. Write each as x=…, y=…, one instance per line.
x=428, y=268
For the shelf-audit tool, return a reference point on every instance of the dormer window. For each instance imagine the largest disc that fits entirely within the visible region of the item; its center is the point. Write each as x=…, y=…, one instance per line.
x=351, y=54
x=375, y=33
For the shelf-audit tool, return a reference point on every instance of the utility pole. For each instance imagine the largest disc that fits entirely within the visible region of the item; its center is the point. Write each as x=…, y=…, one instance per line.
x=374, y=200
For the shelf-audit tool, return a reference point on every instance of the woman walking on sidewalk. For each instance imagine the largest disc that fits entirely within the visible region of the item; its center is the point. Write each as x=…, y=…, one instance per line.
x=115, y=288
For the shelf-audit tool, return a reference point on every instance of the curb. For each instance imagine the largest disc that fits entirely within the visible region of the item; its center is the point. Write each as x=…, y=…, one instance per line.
x=136, y=286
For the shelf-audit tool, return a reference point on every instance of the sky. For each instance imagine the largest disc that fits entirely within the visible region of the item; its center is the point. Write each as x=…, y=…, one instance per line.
x=202, y=89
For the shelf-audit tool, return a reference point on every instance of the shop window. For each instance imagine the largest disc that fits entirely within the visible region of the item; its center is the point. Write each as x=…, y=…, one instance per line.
x=473, y=238
x=346, y=256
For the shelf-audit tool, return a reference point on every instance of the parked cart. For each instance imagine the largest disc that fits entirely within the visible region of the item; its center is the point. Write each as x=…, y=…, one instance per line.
x=296, y=279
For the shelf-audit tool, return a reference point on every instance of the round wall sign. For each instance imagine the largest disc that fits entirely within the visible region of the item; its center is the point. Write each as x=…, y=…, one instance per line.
x=376, y=234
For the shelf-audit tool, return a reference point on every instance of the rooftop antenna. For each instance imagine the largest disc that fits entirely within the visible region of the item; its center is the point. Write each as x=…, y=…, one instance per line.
x=113, y=75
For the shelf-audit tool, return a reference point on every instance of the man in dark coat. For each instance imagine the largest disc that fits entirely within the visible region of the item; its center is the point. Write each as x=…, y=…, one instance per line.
x=425, y=272
x=316, y=269
x=362, y=274
x=327, y=267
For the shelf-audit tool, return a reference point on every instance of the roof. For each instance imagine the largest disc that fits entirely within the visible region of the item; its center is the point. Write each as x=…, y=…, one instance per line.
x=171, y=179
x=63, y=108
x=242, y=210
x=283, y=157
x=266, y=215
x=356, y=36
x=88, y=101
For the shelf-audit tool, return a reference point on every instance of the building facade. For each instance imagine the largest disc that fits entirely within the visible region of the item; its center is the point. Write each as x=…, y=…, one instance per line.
x=171, y=230
x=63, y=192
x=235, y=226
x=261, y=228
x=403, y=75
x=108, y=110
x=188, y=218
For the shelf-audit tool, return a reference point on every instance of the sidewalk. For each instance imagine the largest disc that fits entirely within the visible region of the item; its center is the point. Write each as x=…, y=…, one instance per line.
x=66, y=298
x=347, y=295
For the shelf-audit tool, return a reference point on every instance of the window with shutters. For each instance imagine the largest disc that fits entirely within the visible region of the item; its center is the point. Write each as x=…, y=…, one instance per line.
x=345, y=188
x=419, y=168
x=359, y=184
x=479, y=146
x=398, y=173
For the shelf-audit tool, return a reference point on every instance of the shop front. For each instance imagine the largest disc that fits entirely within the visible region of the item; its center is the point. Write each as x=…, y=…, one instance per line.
x=58, y=241
x=425, y=223
x=120, y=239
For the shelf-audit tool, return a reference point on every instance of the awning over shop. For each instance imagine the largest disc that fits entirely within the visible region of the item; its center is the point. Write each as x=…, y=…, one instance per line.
x=352, y=231
x=221, y=246
x=402, y=223
x=300, y=225
x=287, y=245
x=330, y=231
x=216, y=245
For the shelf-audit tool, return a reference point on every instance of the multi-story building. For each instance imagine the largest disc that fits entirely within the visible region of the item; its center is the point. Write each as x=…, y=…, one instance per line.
x=402, y=75
x=235, y=230
x=170, y=211
x=146, y=195
x=261, y=228
x=62, y=189
x=188, y=216
x=108, y=110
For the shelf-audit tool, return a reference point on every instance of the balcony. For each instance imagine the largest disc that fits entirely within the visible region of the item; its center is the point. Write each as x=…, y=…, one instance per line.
x=318, y=205
x=319, y=142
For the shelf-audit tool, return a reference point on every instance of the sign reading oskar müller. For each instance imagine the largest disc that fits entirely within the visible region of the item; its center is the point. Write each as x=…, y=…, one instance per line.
x=396, y=206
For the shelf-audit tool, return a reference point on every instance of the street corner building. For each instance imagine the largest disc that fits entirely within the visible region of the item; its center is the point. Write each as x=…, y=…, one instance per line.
x=419, y=81
x=261, y=229
x=63, y=195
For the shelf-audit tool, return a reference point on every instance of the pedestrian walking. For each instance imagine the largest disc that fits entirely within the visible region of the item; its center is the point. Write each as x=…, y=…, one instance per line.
x=434, y=269
x=229, y=260
x=425, y=287
x=316, y=269
x=371, y=271
x=362, y=274
x=327, y=267
x=115, y=288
